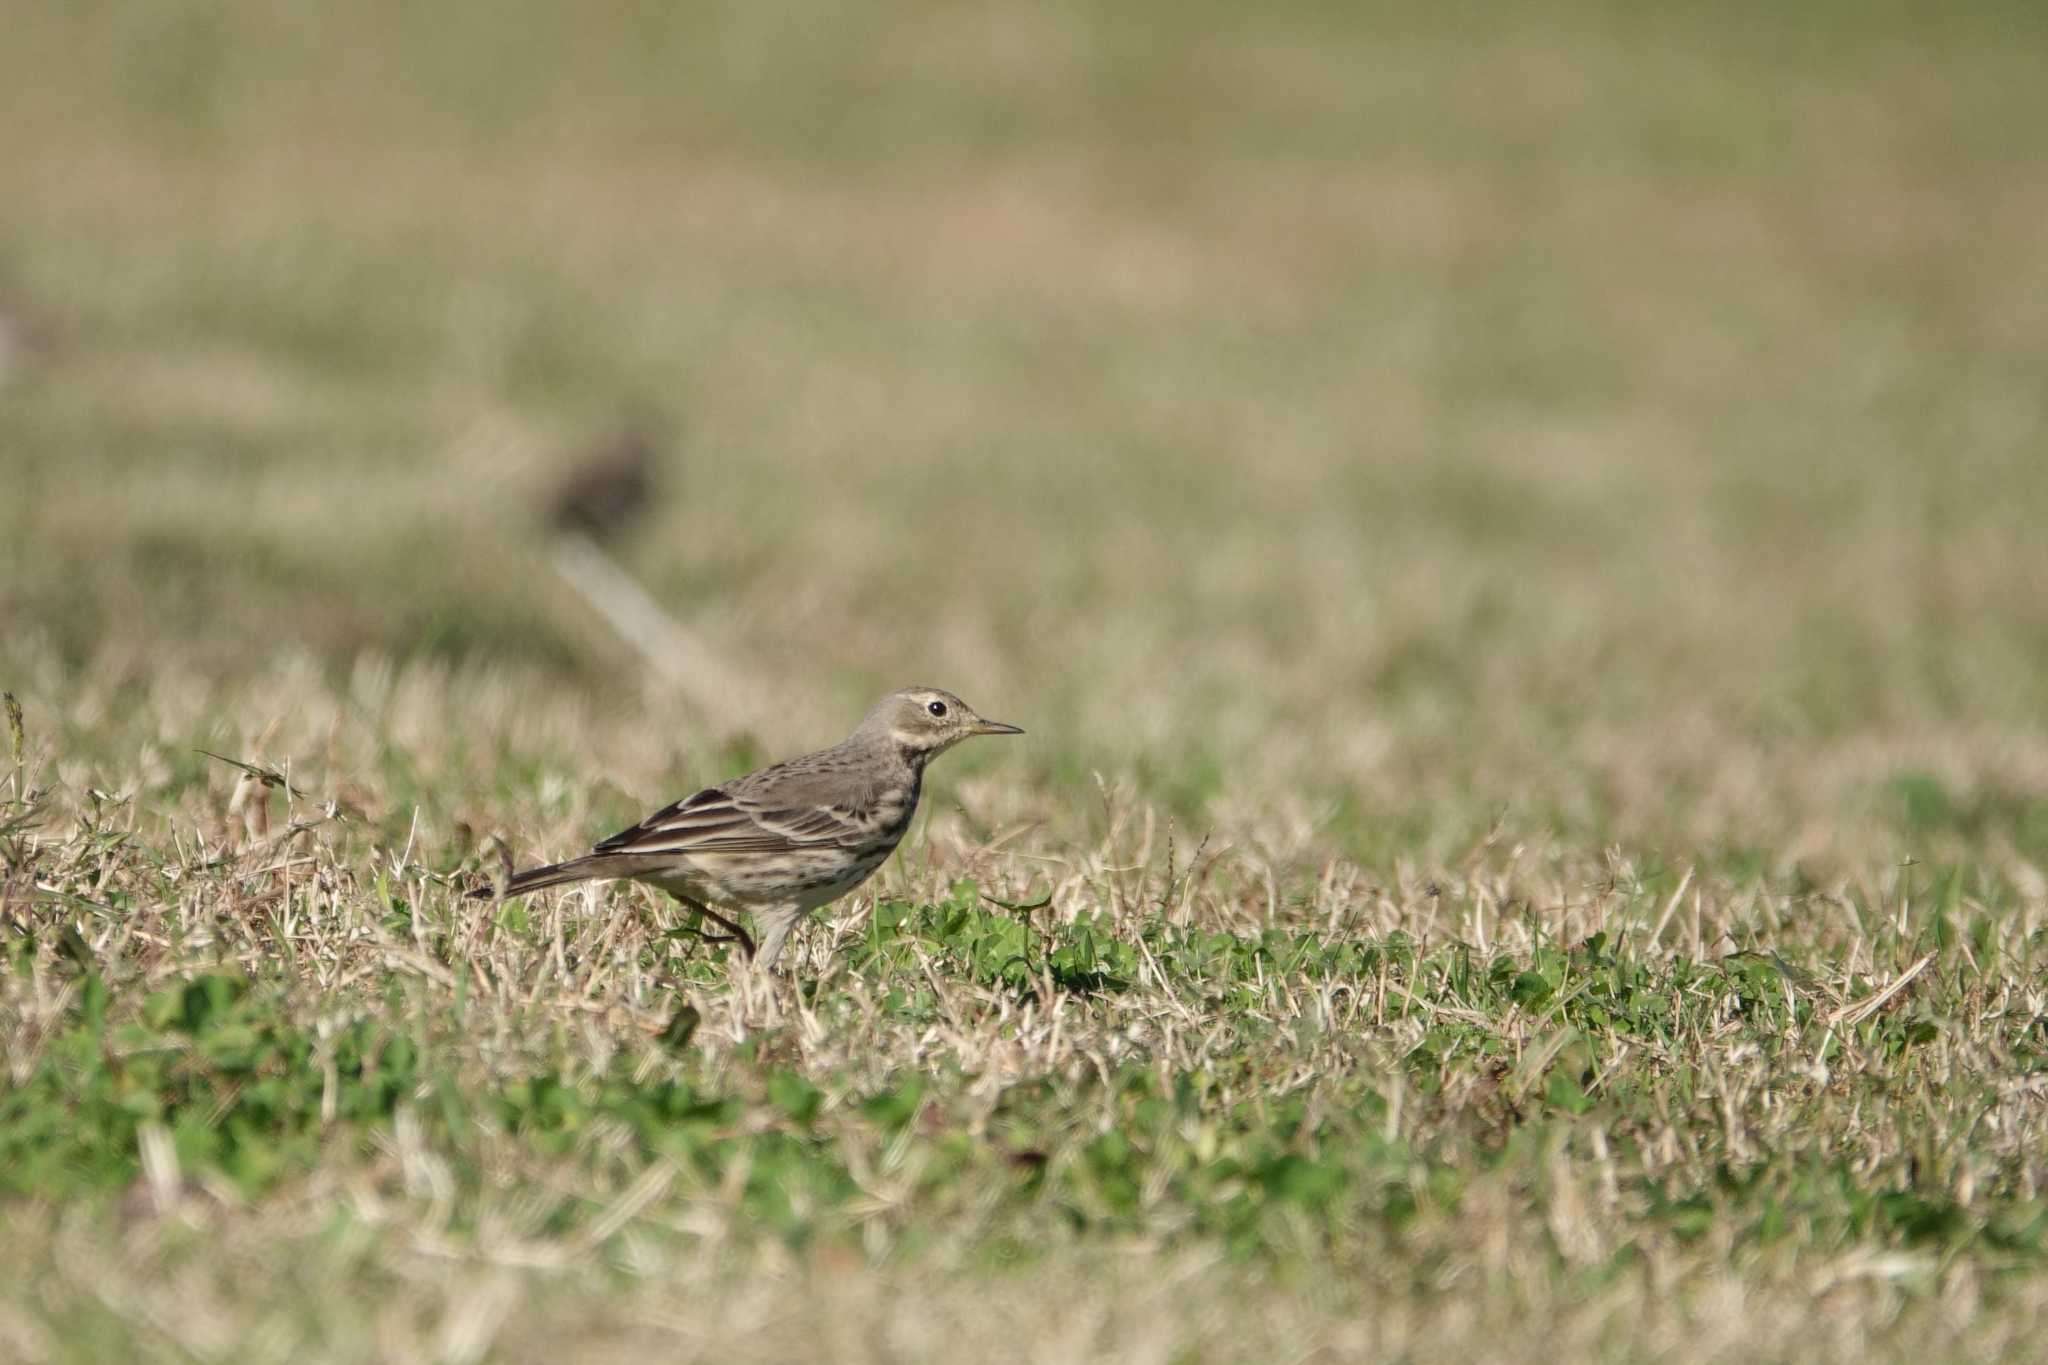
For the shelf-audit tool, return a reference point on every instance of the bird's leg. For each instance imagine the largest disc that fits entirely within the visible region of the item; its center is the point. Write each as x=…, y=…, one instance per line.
x=737, y=934
x=776, y=926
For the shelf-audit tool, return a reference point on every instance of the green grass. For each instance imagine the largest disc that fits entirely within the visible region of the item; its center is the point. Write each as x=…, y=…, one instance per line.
x=1515, y=536
x=1369, y=1099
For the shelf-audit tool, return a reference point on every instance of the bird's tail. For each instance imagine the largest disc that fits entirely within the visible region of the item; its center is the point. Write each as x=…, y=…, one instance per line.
x=587, y=868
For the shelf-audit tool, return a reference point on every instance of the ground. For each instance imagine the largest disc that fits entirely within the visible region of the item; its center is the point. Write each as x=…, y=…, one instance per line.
x=1516, y=537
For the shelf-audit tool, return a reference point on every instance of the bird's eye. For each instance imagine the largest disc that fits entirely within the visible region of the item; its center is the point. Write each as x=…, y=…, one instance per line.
x=937, y=708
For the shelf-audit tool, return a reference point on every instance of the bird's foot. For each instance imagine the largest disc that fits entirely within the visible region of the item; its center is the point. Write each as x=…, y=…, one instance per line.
x=734, y=932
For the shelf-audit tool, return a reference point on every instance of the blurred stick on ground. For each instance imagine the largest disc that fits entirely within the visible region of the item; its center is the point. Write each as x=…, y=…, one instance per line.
x=675, y=653
x=603, y=497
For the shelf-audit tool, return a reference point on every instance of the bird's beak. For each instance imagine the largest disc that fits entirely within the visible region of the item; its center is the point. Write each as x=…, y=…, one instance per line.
x=992, y=727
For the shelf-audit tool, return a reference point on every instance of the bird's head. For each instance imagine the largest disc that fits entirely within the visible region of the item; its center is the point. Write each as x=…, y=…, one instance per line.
x=926, y=721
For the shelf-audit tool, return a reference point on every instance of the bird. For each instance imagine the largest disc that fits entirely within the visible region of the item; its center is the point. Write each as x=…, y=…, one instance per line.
x=609, y=488
x=789, y=838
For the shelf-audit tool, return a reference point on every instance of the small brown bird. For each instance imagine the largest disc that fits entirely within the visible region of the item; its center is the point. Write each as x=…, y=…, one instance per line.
x=785, y=840
x=609, y=489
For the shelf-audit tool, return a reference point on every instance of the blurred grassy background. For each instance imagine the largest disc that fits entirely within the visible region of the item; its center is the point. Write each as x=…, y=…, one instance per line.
x=1372, y=418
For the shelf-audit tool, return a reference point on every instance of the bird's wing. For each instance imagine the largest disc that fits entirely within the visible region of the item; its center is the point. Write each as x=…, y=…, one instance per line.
x=722, y=821
x=707, y=814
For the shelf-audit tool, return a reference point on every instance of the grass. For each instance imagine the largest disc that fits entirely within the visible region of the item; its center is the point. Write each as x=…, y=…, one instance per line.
x=1514, y=536
x=1344, y=1106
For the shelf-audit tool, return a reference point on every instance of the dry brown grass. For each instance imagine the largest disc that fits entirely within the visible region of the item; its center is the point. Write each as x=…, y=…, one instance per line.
x=1533, y=1223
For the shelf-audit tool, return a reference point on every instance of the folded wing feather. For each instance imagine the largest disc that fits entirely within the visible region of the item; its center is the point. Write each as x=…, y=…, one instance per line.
x=719, y=820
